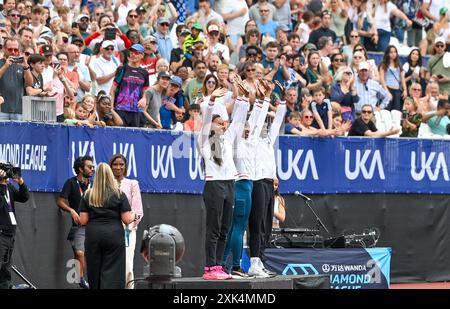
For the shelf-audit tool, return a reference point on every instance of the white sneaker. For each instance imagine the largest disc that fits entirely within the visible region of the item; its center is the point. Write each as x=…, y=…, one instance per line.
x=257, y=272
x=271, y=274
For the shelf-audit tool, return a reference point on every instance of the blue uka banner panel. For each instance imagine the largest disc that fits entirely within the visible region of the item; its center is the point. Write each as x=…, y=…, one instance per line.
x=349, y=268
x=168, y=162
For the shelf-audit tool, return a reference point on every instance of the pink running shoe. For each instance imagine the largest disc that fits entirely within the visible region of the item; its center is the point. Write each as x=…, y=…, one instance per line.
x=215, y=273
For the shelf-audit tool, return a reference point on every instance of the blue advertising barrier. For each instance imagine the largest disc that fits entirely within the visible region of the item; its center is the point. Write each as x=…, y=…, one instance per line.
x=168, y=162
x=349, y=268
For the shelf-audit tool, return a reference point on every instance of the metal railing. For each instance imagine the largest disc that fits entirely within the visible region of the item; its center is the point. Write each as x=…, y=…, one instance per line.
x=40, y=109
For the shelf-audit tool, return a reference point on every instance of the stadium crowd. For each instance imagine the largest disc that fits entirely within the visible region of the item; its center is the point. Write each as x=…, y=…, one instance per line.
x=155, y=63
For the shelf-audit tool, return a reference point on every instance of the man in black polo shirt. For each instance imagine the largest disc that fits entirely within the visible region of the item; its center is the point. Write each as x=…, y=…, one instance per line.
x=8, y=195
x=324, y=30
x=364, y=126
x=69, y=200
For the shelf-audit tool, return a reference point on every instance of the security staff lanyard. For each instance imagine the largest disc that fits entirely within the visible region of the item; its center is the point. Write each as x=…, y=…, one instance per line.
x=10, y=210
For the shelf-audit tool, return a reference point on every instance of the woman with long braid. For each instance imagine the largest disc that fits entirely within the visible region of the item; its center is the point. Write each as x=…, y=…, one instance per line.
x=216, y=148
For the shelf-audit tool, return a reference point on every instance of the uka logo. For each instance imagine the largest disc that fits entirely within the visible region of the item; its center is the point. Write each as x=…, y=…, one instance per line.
x=368, y=157
x=425, y=166
x=293, y=165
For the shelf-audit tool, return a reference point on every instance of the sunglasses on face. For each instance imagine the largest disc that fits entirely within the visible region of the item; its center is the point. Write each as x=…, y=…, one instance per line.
x=14, y=15
x=164, y=25
x=214, y=33
x=133, y=16
x=416, y=89
x=366, y=112
x=439, y=45
x=110, y=48
x=338, y=60
x=263, y=11
x=65, y=40
x=348, y=73
x=13, y=50
x=211, y=82
x=251, y=70
x=308, y=117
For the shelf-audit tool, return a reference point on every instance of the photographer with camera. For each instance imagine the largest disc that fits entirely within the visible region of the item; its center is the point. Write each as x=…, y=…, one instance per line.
x=8, y=196
x=14, y=74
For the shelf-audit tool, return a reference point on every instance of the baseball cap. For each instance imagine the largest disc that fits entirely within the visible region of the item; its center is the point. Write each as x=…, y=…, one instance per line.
x=140, y=9
x=363, y=66
x=176, y=80
x=310, y=46
x=82, y=16
x=197, y=26
x=77, y=39
x=163, y=74
x=213, y=27
x=163, y=20
x=439, y=39
x=47, y=50
x=185, y=31
x=150, y=38
x=107, y=43
x=443, y=11
x=137, y=47
x=283, y=27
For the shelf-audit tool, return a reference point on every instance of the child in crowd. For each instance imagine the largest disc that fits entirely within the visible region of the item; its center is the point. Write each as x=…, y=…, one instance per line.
x=77, y=117
x=293, y=124
x=322, y=111
x=411, y=118
x=194, y=123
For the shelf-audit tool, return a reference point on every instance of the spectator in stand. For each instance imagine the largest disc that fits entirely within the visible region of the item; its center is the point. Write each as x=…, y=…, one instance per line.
x=340, y=126
x=439, y=120
x=317, y=73
x=294, y=42
x=255, y=14
x=183, y=73
x=325, y=46
x=337, y=61
x=411, y=118
x=339, y=16
x=163, y=36
x=304, y=28
x=414, y=71
x=79, y=117
x=291, y=101
x=151, y=57
x=194, y=123
x=194, y=86
x=348, y=49
x=223, y=105
x=364, y=126
x=322, y=111
x=343, y=92
x=276, y=68
x=266, y=25
x=103, y=68
x=121, y=9
x=381, y=12
x=213, y=62
x=292, y=125
x=438, y=66
x=120, y=40
x=129, y=86
x=80, y=68
x=205, y=13
x=282, y=35
x=214, y=46
x=369, y=91
x=308, y=129
x=132, y=24
x=235, y=14
x=392, y=78
x=153, y=100
x=177, y=58
x=172, y=102
x=223, y=73
x=105, y=111
x=13, y=78
x=83, y=25
x=192, y=39
x=36, y=63
x=252, y=38
x=324, y=30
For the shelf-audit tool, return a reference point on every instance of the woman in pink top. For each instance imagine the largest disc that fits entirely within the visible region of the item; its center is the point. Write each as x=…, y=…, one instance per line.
x=131, y=189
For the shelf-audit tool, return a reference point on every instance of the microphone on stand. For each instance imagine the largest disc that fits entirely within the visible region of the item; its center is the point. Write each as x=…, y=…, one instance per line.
x=296, y=193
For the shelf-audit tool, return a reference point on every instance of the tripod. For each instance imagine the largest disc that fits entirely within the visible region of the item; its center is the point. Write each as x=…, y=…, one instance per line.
x=13, y=267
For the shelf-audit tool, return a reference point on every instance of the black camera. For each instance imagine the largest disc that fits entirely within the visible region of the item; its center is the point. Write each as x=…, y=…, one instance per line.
x=17, y=59
x=10, y=170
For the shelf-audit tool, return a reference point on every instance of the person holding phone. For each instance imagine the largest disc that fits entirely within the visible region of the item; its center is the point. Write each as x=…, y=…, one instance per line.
x=411, y=119
x=13, y=76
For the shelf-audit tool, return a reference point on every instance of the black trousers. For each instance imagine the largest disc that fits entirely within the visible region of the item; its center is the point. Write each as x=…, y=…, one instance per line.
x=130, y=119
x=261, y=216
x=6, y=250
x=105, y=255
x=397, y=101
x=218, y=196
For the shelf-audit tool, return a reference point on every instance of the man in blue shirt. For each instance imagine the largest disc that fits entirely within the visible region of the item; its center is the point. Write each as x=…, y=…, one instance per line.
x=266, y=26
x=162, y=35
